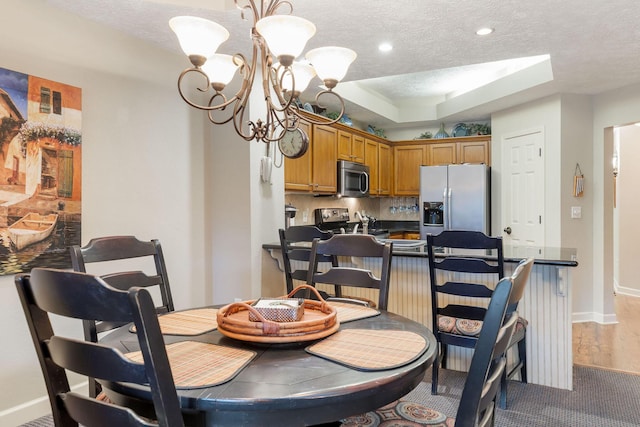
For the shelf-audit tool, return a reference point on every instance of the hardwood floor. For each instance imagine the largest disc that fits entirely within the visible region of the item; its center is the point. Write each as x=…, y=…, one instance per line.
x=615, y=347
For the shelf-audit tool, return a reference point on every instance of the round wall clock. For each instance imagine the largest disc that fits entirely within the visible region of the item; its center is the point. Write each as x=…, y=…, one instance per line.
x=294, y=143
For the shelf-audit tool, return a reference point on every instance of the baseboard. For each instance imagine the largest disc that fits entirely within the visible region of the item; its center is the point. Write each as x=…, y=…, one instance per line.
x=603, y=319
x=621, y=290
x=33, y=409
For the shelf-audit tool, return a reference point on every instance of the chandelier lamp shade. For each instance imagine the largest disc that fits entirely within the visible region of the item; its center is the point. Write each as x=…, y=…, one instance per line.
x=278, y=40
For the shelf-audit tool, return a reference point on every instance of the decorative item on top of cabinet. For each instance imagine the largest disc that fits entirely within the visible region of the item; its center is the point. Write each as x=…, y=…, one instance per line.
x=441, y=133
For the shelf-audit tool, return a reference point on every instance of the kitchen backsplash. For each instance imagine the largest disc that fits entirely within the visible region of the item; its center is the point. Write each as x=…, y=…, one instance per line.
x=382, y=208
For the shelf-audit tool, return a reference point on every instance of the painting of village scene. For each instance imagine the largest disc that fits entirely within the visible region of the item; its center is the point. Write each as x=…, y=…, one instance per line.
x=40, y=172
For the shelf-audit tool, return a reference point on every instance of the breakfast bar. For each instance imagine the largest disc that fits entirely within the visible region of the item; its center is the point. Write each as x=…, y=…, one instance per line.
x=546, y=303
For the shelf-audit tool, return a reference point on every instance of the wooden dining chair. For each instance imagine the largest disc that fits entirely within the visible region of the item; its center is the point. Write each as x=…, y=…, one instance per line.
x=295, y=243
x=352, y=245
x=478, y=400
x=84, y=296
x=109, y=254
x=520, y=278
x=459, y=323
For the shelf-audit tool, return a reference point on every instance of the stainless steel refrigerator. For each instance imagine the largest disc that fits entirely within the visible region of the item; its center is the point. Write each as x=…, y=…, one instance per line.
x=455, y=197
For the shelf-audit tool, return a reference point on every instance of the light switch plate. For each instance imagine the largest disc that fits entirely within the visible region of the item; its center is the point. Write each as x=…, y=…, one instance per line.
x=576, y=212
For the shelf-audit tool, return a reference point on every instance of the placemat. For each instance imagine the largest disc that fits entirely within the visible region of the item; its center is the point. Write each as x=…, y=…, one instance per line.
x=196, y=365
x=188, y=323
x=370, y=349
x=348, y=312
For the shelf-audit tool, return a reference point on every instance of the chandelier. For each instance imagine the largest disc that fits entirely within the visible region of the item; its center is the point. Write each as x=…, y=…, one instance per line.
x=278, y=39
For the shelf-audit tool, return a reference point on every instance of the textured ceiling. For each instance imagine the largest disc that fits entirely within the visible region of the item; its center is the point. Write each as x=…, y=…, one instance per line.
x=593, y=45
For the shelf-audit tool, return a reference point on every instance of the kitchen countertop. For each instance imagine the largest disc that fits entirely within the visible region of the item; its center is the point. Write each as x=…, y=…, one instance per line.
x=566, y=257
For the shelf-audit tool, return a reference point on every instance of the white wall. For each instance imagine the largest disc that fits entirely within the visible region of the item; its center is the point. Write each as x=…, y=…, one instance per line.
x=567, y=124
x=613, y=108
x=628, y=207
x=545, y=114
x=143, y=165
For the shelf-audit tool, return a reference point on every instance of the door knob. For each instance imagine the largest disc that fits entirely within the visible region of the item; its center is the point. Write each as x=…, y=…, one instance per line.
x=507, y=230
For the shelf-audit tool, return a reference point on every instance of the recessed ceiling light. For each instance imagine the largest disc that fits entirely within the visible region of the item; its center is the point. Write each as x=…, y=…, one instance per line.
x=385, y=47
x=484, y=31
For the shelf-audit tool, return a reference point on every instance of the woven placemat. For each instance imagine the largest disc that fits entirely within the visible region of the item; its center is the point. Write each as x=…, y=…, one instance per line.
x=188, y=323
x=369, y=349
x=348, y=312
x=195, y=364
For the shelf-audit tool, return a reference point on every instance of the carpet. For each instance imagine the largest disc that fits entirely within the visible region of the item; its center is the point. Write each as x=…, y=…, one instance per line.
x=600, y=398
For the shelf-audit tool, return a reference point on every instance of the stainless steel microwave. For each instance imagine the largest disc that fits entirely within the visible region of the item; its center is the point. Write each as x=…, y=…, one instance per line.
x=353, y=179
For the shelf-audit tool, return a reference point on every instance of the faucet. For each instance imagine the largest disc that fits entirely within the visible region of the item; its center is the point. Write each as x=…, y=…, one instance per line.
x=365, y=222
x=355, y=228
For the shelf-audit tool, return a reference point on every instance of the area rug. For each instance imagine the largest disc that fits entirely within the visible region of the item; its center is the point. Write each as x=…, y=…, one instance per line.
x=600, y=398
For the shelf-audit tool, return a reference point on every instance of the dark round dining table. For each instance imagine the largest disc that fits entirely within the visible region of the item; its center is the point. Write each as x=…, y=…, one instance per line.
x=286, y=386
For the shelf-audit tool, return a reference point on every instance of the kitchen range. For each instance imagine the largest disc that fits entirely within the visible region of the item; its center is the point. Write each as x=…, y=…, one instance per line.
x=337, y=220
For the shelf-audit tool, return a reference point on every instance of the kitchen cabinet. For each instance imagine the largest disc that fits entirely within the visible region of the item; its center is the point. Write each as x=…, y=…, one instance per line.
x=324, y=160
x=443, y=153
x=474, y=151
x=407, y=160
x=351, y=146
x=297, y=172
x=315, y=172
x=377, y=156
x=371, y=159
x=385, y=167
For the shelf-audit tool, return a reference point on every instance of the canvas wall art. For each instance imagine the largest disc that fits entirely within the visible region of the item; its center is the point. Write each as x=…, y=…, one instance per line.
x=40, y=172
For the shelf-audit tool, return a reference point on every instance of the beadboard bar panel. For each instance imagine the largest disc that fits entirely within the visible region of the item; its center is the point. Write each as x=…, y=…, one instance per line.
x=545, y=304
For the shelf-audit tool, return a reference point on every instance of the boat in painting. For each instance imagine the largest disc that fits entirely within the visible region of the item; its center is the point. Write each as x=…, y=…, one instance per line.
x=31, y=228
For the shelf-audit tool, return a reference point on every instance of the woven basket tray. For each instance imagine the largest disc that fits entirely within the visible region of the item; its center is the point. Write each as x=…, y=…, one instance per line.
x=319, y=320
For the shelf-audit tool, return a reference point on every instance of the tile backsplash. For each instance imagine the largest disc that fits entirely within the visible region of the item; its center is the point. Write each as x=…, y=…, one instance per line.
x=382, y=208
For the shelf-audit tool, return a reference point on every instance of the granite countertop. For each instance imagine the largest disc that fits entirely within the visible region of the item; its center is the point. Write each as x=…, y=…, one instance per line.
x=566, y=257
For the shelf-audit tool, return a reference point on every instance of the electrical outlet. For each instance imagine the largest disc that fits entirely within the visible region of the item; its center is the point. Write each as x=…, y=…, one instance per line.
x=305, y=216
x=576, y=212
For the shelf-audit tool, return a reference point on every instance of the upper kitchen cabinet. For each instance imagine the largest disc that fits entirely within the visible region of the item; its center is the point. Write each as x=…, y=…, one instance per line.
x=324, y=161
x=385, y=167
x=351, y=146
x=298, y=172
x=476, y=151
x=377, y=155
x=407, y=160
x=315, y=172
x=445, y=153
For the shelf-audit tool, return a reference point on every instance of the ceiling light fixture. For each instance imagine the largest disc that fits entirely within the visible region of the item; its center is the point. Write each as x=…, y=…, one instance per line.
x=385, y=47
x=278, y=39
x=485, y=31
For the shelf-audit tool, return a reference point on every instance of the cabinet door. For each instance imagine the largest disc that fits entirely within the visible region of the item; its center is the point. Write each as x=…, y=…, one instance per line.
x=384, y=170
x=406, y=168
x=371, y=160
x=357, y=148
x=297, y=172
x=344, y=146
x=325, y=155
x=474, y=152
x=442, y=154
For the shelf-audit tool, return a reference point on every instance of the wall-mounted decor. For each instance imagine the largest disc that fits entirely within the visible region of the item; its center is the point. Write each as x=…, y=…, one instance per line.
x=40, y=172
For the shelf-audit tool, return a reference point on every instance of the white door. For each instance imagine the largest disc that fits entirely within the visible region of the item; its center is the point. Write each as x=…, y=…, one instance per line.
x=523, y=191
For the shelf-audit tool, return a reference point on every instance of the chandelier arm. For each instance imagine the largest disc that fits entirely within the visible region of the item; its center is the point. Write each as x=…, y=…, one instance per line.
x=325, y=120
x=209, y=106
x=251, y=7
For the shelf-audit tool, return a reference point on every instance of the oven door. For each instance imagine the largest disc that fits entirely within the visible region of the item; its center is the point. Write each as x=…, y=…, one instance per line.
x=353, y=179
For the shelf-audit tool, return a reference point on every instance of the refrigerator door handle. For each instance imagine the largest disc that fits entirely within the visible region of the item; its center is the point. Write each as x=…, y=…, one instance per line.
x=445, y=209
x=449, y=207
